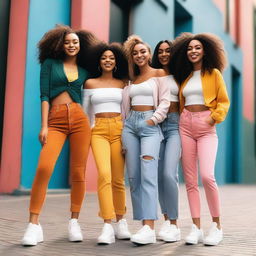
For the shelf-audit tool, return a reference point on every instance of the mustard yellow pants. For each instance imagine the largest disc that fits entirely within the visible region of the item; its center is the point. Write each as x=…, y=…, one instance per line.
x=107, y=151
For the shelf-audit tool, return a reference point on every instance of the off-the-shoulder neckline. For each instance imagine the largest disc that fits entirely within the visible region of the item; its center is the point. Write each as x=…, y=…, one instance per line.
x=103, y=88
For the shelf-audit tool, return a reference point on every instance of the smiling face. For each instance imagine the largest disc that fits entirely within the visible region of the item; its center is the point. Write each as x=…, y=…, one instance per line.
x=195, y=53
x=164, y=54
x=141, y=55
x=71, y=45
x=107, y=61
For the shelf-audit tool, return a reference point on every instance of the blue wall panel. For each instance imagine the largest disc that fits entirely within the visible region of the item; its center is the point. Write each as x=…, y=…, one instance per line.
x=43, y=15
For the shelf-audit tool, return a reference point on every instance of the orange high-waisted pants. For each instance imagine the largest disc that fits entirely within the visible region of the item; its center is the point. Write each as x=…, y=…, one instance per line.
x=65, y=121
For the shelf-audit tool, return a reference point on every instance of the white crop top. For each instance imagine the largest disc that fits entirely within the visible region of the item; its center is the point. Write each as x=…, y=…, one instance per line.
x=105, y=99
x=142, y=93
x=174, y=89
x=193, y=91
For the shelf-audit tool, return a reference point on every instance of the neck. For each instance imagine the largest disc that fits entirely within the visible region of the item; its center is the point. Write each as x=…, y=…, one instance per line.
x=107, y=75
x=71, y=60
x=197, y=66
x=166, y=69
x=144, y=69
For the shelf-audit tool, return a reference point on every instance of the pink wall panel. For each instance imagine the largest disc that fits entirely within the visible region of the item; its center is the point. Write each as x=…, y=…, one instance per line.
x=246, y=42
x=92, y=15
x=247, y=46
x=12, y=130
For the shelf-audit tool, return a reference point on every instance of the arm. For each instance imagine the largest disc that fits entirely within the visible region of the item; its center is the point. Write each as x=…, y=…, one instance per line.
x=163, y=99
x=44, y=122
x=86, y=103
x=223, y=103
x=45, y=93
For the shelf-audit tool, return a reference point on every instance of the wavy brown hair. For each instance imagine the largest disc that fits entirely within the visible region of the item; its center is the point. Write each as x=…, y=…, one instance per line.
x=129, y=45
x=214, y=55
x=121, y=71
x=51, y=44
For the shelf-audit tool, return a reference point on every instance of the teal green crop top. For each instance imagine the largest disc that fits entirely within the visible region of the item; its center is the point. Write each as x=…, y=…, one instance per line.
x=53, y=81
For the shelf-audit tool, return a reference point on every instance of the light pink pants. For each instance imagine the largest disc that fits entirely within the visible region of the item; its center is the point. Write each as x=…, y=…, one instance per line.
x=199, y=145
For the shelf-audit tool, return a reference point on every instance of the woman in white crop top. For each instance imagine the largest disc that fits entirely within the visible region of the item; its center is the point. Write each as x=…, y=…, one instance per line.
x=197, y=64
x=145, y=104
x=170, y=150
x=102, y=102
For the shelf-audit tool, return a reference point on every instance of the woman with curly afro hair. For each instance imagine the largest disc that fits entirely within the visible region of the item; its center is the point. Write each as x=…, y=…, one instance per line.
x=102, y=102
x=197, y=63
x=62, y=55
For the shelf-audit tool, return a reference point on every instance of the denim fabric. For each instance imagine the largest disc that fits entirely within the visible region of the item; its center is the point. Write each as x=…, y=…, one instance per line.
x=169, y=157
x=140, y=139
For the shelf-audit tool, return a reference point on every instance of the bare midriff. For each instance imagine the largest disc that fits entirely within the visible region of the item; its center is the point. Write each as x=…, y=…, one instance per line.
x=142, y=108
x=63, y=98
x=196, y=108
x=174, y=107
x=107, y=114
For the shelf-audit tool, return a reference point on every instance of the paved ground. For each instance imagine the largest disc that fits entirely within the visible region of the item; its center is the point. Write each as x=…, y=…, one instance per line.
x=238, y=219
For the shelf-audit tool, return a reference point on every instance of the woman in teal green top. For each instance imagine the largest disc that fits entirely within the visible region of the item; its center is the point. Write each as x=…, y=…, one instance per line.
x=62, y=54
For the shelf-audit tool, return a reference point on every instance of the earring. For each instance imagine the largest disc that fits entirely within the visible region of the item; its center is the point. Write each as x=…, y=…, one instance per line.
x=115, y=69
x=99, y=68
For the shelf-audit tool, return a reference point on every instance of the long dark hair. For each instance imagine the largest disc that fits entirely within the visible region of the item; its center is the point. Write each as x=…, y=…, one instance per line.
x=214, y=55
x=155, y=60
x=51, y=44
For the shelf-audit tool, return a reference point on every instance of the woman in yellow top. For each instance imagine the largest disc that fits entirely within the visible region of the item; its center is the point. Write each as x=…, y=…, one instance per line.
x=197, y=63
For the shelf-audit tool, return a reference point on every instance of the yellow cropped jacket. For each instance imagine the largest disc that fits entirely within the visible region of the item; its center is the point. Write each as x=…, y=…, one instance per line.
x=214, y=93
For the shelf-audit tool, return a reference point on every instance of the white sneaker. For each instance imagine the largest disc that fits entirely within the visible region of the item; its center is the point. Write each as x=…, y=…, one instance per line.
x=74, y=231
x=107, y=235
x=195, y=236
x=172, y=235
x=164, y=229
x=121, y=230
x=33, y=235
x=145, y=235
x=215, y=235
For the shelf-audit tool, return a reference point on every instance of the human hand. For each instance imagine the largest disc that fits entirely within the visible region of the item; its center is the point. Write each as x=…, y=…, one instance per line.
x=209, y=120
x=43, y=135
x=150, y=122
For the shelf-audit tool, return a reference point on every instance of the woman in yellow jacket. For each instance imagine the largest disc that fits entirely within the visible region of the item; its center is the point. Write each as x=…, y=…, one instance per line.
x=197, y=63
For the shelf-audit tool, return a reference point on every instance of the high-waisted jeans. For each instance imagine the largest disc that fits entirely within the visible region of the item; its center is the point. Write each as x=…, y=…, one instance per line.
x=140, y=140
x=65, y=120
x=199, y=145
x=107, y=151
x=168, y=180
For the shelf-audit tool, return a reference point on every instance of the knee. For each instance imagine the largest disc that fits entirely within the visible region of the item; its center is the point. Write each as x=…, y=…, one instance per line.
x=191, y=185
x=134, y=184
x=44, y=172
x=207, y=180
x=78, y=175
x=104, y=178
x=147, y=158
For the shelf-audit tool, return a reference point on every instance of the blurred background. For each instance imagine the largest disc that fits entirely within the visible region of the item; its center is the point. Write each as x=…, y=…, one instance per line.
x=24, y=22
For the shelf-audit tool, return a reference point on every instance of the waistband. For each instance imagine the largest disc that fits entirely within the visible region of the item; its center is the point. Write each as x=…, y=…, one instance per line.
x=199, y=113
x=109, y=119
x=71, y=105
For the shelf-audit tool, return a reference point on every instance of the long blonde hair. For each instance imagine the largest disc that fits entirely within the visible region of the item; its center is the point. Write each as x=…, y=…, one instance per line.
x=129, y=45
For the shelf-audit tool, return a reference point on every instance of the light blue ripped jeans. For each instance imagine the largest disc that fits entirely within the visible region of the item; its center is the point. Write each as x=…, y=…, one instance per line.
x=140, y=139
x=169, y=157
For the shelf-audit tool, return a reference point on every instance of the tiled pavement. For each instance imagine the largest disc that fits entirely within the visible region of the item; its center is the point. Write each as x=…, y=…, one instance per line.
x=238, y=220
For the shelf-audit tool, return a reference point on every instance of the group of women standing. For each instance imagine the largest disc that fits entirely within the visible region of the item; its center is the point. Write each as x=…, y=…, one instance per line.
x=132, y=104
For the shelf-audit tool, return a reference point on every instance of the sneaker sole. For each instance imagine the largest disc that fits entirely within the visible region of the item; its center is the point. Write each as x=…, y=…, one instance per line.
x=176, y=239
x=143, y=242
x=106, y=242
